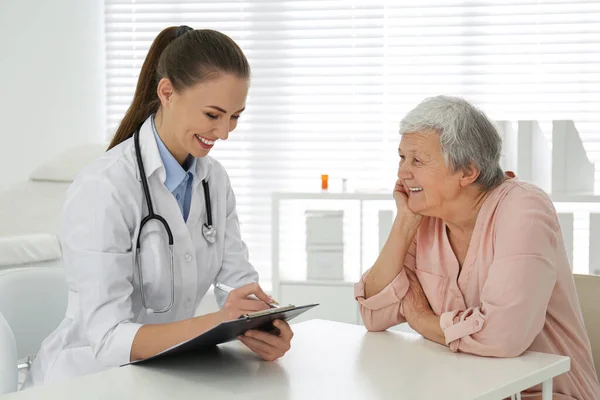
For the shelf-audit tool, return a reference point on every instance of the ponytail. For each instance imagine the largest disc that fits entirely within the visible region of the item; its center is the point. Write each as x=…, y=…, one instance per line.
x=185, y=56
x=145, y=100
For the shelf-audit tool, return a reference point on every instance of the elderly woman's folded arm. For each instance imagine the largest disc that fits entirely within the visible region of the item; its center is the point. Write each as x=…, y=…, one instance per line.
x=518, y=287
x=381, y=289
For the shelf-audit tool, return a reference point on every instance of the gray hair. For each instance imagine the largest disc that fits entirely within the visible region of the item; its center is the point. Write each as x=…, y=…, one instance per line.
x=466, y=135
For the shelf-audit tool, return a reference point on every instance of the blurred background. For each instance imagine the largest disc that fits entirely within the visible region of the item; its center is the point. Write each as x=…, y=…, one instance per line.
x=330, y=82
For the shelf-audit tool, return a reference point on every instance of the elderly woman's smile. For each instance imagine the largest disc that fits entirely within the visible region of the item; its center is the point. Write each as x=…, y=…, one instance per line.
x=475, y=259
x=430, y=184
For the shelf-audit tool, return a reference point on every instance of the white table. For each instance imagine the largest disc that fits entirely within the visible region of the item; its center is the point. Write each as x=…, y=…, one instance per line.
x=328, y=360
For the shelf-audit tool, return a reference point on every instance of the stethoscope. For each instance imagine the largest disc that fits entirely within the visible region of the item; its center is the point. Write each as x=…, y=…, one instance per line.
x=208, y=230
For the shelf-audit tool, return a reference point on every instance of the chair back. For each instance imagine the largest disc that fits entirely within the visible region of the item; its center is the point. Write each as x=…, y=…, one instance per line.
x=588, y=291
x=33, y=301
x=8, y=359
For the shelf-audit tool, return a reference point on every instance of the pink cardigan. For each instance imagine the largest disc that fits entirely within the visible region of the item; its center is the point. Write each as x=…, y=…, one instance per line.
x=515, y=291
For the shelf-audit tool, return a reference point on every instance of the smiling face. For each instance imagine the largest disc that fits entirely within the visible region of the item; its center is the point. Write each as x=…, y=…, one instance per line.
x=432, y=185
x=192, y=120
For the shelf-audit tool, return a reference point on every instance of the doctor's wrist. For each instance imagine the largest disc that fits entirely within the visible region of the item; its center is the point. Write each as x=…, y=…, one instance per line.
x=208, y=321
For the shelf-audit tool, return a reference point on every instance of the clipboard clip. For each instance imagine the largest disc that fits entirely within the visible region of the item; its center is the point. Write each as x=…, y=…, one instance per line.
x=267, y=312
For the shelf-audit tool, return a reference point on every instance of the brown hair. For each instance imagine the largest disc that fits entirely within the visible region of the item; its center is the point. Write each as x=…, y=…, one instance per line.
x=185, y=56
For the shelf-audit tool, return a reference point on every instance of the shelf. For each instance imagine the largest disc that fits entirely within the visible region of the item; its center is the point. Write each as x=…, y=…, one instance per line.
x=556, y=197
x=575, y=198
x=332, y=196
x=315, y=282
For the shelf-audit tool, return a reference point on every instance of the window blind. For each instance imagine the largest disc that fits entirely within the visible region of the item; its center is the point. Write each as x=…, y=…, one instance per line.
x=332, y=79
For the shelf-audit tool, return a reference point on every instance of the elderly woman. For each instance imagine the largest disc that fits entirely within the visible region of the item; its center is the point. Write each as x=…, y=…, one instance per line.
x=475, y=259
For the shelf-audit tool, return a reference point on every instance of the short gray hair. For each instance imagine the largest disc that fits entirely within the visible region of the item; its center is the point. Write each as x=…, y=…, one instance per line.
x=466, y=135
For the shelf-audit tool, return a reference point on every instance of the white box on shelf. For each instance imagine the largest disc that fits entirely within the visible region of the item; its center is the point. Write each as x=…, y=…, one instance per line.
x=566, y=221
x=526, y=152
x=572, y=171
x=324, y=227
x=594, y=249
x=325, y=262
x=556, y=162
x=535, y=155
x=510, y=146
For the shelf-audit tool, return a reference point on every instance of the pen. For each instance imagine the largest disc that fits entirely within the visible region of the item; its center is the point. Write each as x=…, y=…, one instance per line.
x=227, y=289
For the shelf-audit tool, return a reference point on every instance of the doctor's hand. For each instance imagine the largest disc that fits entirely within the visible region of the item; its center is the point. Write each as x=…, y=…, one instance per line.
x=238, y=302
x=266, y=345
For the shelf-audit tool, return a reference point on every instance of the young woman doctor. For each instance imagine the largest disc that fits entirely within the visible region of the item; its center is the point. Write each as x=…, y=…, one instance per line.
x=126, y=304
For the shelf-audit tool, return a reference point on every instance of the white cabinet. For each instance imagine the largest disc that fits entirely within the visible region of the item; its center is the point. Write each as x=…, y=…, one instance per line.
x=292, y=248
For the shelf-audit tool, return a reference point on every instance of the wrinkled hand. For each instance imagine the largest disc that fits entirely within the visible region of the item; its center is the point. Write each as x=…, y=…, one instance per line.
x=415, y=304
x=238, y=303
x=268, y=346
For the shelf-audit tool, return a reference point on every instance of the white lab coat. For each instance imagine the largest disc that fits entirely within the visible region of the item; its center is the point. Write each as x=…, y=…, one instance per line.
x=100, y=225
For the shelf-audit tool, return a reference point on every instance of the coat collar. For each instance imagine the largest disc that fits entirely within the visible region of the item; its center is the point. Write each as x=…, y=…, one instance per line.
x=153, y=163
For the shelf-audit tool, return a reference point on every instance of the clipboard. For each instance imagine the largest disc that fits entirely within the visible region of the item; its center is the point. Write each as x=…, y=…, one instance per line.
x=230, y=330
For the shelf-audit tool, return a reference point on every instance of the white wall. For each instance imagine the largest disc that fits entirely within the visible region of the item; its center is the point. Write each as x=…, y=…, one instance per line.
x=51, y=81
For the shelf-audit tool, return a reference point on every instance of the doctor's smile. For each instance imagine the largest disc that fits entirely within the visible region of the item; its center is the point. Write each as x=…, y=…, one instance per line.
x=206, y=143
x=141, y=256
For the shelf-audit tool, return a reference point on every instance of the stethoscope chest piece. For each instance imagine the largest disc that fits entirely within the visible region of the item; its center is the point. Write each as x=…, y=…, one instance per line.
x=209, y=233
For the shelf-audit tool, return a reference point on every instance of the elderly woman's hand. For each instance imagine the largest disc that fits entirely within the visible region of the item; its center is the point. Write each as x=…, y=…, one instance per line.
x=415, y=304
x=401, y=198
x=418, y=312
